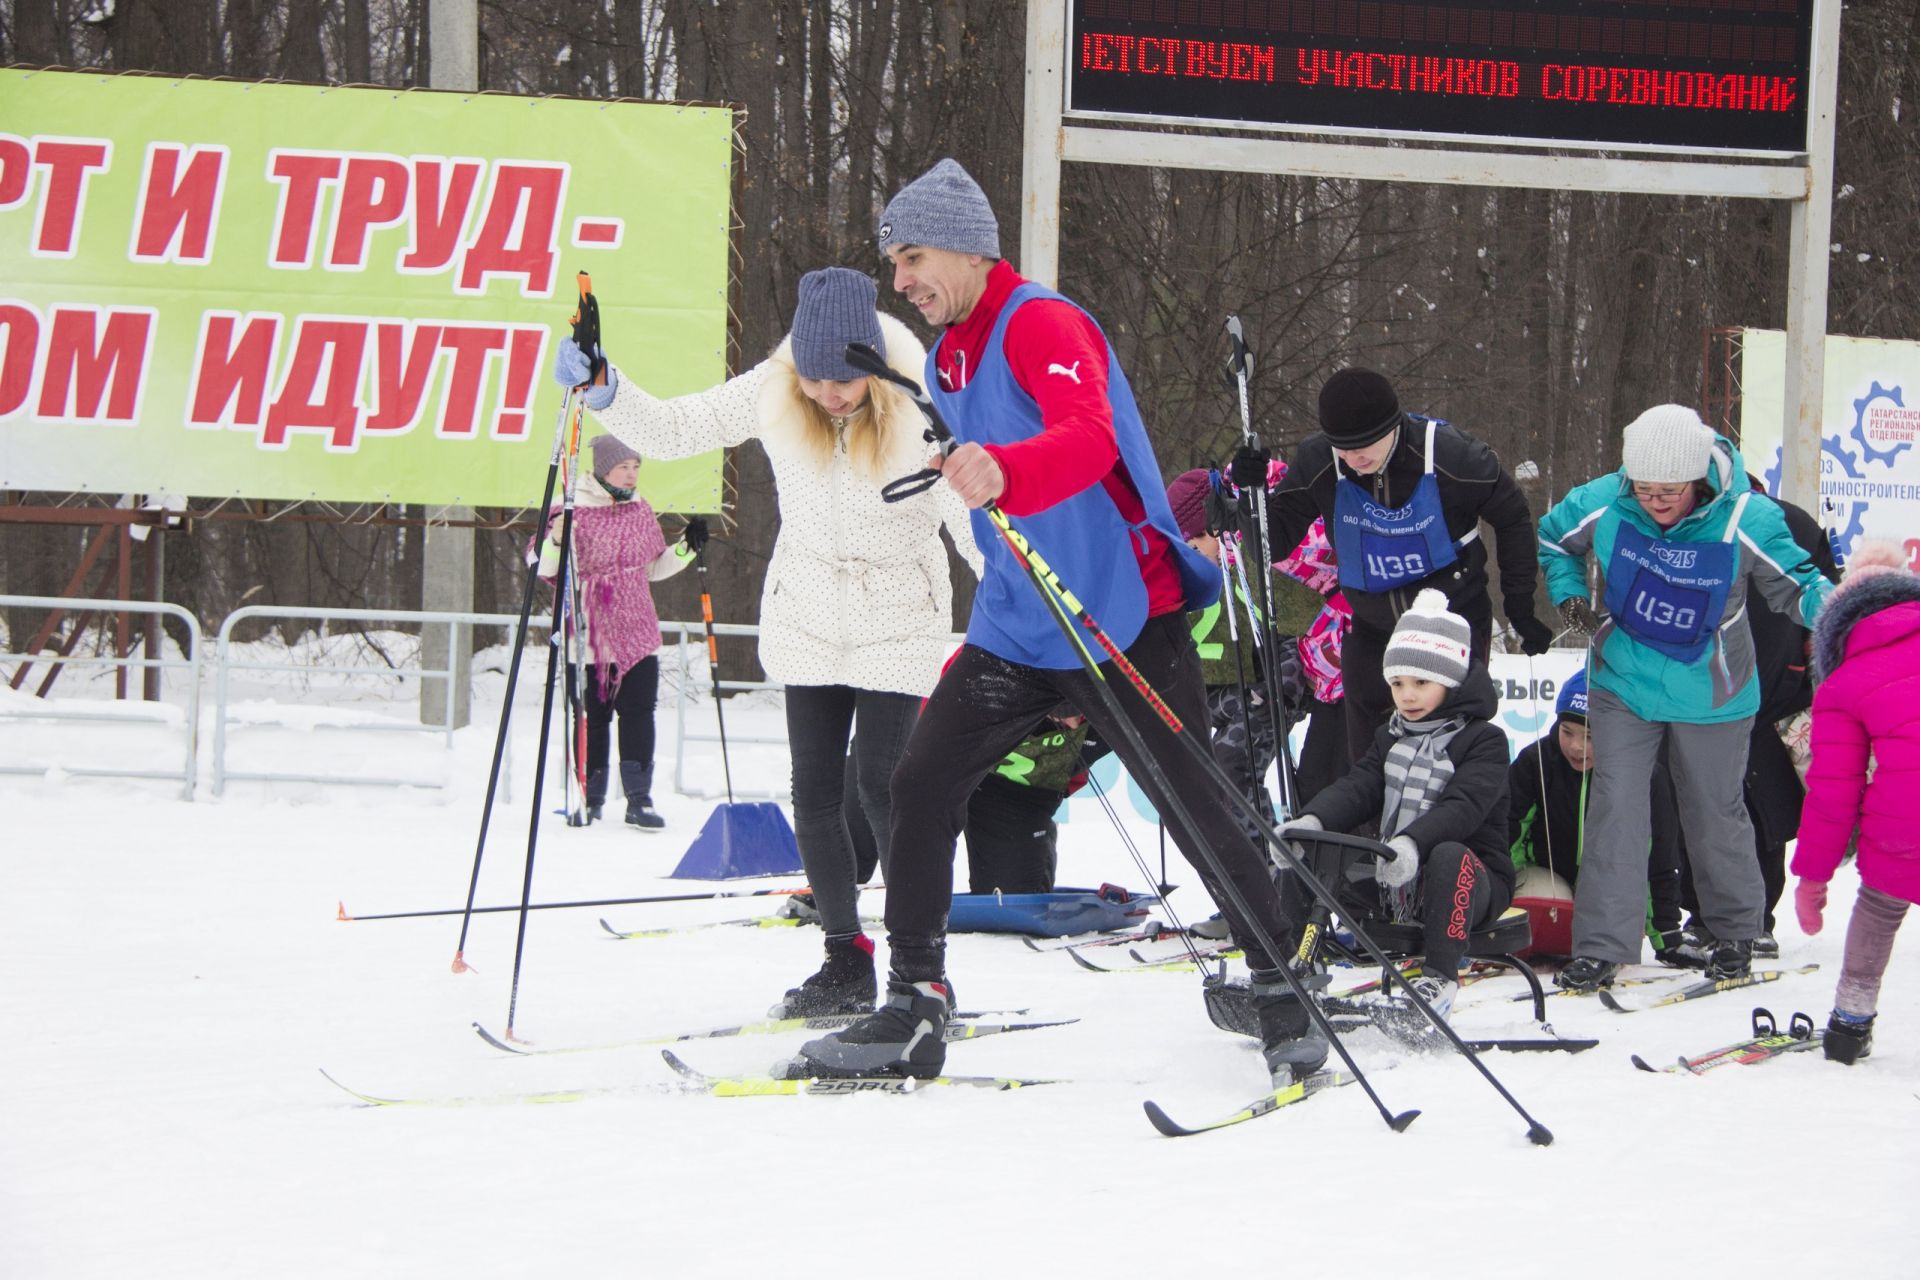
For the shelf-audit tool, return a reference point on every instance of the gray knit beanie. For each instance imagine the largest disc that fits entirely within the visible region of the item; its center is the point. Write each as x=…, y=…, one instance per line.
x=943, y=208
x=1668, y=444
x=609, y=451
x=836, y=307
x=1430, y=642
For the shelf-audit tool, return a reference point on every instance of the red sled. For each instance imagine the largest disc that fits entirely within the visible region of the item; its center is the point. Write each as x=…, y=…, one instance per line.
x=1548, y=901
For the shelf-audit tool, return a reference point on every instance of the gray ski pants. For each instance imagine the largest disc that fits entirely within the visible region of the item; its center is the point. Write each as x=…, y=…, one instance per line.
x=1709, y=763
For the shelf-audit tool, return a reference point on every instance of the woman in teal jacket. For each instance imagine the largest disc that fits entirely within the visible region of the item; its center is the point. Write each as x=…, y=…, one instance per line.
x=1677, y=540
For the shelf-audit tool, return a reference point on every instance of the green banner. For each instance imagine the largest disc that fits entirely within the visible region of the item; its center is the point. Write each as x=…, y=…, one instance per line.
x=343, y=295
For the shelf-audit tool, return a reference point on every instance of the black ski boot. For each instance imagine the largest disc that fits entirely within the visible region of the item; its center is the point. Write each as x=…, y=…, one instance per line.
x=1292, y=1046
x=844, y=984
x=1690, y=947
x=906, y=1036
x=1585, y=974
x=1730, y=960
x=636, y=780
x=1849, y=1037
x=596, y=794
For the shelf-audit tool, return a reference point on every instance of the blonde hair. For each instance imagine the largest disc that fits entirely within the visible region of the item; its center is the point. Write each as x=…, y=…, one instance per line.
x=870, y=428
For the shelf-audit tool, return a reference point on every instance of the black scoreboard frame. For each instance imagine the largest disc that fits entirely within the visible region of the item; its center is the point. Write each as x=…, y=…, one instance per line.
x=1707, y=77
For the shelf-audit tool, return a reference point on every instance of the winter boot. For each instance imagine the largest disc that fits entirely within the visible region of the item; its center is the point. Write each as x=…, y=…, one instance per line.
x=1849, y=1037
x=799, y=906
x=1730, y=960
x=596, y=794
x=1584, y=974
x=1690, y=947
x=1766, y=947
x=844, y=984
x=1293, y=1047
x=1214, y=927
x=1438, y=992
x=636, y=780
x=906, y=1036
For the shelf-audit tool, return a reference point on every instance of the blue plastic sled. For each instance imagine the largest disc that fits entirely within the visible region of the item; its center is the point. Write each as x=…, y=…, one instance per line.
x=1050, y=915
x=741, y=840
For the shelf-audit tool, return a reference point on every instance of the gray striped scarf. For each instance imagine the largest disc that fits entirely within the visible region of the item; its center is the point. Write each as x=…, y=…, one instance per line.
x=1417, y=769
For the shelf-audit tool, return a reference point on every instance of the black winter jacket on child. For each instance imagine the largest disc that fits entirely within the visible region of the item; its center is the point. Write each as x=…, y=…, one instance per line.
x=1543, y=813
x=1473, y=808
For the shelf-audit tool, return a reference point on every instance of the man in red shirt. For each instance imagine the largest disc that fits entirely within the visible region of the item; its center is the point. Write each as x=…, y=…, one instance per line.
x=1050, y=434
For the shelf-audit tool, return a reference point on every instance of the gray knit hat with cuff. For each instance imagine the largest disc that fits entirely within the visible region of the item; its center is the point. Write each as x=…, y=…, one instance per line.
x=1430, y=642
x=1668, y=444
x=943, y=208
x=836, y=307
x=609, y=451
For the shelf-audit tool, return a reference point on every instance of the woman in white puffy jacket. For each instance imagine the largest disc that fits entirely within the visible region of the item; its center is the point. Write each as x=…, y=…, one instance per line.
x=857, y=607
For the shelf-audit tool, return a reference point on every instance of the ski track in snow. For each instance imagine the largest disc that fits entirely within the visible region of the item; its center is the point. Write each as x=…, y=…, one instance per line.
x=175, y=975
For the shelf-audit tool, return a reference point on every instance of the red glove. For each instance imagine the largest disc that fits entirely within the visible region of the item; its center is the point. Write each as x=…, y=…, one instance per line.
x=1809, y=901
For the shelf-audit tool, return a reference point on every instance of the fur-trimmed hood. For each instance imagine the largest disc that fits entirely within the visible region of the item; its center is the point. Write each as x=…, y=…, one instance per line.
x=1853, y=603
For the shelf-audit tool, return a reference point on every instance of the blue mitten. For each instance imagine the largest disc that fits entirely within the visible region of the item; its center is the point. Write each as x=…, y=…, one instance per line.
x=571, y=367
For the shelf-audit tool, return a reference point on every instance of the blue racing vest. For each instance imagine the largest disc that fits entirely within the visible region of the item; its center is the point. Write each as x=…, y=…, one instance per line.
x=1381, y=548
x=1083, y=539
x=1672, y=596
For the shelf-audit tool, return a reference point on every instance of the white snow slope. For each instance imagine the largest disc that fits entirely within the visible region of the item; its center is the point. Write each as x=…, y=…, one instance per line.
x=173, y=977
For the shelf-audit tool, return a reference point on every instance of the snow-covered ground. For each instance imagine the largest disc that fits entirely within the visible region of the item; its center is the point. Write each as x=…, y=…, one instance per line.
x=173, y=977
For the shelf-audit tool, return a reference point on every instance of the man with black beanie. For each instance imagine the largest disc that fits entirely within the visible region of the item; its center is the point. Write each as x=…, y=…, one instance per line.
x=1403, y=496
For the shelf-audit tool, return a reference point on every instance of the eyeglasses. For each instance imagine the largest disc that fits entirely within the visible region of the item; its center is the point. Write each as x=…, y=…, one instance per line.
x=1662, y=492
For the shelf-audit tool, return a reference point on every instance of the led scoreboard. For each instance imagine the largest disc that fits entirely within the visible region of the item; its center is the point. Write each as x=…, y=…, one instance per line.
x=1693, y=75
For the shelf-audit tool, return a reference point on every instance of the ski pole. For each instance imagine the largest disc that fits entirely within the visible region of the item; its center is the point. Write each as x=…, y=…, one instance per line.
x=713, y=663
x=586, y=333
x=1066, y=608
x=1241, y=363
x=513, y=680
x=345, y=917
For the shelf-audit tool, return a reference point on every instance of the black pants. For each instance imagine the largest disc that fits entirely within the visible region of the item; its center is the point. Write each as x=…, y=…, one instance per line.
x=633, y=701
x=820, y=719
x=1456, y=893
x=981, y=708
x=1011, y=837
x=1369, y=702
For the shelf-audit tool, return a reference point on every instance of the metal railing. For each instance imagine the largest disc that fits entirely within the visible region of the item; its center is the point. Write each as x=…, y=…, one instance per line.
x=225, y=665
x=190, y=663
x=691, y=652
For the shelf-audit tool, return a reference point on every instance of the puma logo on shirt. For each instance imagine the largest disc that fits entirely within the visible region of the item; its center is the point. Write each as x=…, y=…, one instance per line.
x=1066, y=371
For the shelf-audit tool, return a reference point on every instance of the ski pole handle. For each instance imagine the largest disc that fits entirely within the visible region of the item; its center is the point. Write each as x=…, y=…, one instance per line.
x=1239, y=361
x=586, y=331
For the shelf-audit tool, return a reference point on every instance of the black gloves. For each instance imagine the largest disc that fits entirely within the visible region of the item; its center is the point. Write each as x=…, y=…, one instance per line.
x=1248, y=470
x=1579, y=616
x=1535, y=638
x=696, y=533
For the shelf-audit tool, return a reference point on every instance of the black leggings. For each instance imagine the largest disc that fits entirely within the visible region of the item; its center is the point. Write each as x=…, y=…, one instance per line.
x=820, y=719
x=633, y=701
x=981, y=709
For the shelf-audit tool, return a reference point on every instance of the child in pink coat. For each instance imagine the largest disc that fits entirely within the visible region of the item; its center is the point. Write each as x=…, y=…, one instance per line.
x=1864, y=777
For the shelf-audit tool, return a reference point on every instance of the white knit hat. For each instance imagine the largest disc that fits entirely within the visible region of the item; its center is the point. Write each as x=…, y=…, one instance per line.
x=1668, y=444
x=1430, y=642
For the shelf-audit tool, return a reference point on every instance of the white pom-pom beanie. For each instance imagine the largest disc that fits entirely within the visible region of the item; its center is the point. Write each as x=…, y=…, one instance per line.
x=1430, y=642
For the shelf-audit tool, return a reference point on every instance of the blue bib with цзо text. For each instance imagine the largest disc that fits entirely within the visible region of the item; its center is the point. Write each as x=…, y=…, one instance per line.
x=1671, y=596
x=1381, y=548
